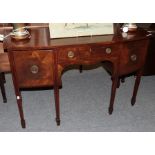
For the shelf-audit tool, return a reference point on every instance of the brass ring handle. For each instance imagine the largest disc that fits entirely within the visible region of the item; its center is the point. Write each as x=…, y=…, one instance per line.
x=34, y=69
x=108, y=50
x=70, y=54
x=133, y=57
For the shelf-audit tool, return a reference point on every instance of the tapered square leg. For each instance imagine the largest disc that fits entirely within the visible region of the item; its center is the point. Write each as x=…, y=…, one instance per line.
x=136, y=86
x=58, y=121
x=80, y=68
x=57, y=106
x=118, y=83
x=113, y=92
x=3, y=77
x=21, y=113
x=23, y=123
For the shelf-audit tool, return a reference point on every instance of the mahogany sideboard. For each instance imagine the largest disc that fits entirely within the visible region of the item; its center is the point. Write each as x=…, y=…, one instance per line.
x=38, y=61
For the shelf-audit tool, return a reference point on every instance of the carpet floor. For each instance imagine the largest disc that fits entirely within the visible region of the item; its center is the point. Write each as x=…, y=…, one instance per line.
x=84, y=101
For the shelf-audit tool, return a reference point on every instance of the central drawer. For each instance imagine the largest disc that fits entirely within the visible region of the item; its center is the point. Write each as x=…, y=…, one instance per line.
x=34, y=68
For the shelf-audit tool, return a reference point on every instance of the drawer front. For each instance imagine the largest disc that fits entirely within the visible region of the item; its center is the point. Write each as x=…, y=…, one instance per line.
x=98, y=52
x=104, y=50
x=133, y=56
x=34, y=68
x=74, y=55
x=85, y=52
x=69, y=54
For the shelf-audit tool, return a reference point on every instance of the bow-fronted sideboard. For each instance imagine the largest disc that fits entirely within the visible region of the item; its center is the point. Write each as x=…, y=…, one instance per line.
x=39, y=61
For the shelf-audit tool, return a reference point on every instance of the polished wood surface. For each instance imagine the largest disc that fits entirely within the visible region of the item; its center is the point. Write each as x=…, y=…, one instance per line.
x=39, y=61
x=40, y=39
x=36, y=66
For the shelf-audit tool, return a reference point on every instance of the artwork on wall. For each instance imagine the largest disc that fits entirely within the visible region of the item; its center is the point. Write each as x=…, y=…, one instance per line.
x=63, y=30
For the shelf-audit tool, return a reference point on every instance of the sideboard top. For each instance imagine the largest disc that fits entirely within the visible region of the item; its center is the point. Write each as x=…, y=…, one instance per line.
x=40, y=39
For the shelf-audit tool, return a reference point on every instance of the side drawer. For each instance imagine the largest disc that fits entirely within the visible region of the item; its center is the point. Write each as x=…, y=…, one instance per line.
x=34, y=68
x=133, y=56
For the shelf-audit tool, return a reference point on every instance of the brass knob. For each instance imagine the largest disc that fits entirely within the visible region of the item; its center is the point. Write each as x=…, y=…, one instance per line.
x=70, y=54
x=108, y=50
x=133, y=57
x=34, y=69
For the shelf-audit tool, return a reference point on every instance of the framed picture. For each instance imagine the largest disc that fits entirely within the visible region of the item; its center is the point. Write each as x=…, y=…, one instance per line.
x=63, y=30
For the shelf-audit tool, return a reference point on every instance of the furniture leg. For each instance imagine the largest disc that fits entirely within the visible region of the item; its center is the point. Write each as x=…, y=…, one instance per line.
x=2, y=87
x=3, y=76
x=136, y=86
x=113, y=92
x=56, y=89
x=20, y=108
x=118, y=83
x=80, y=68
x=57, y=107
x=17, y=92
x=122, y=79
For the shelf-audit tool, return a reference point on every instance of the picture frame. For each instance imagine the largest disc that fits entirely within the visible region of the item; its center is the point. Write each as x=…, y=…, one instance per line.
x=63, y=30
